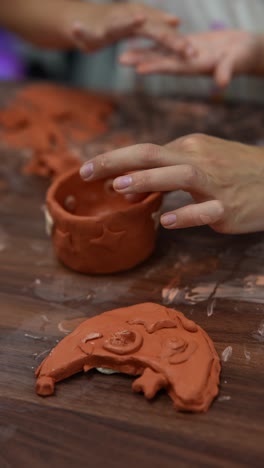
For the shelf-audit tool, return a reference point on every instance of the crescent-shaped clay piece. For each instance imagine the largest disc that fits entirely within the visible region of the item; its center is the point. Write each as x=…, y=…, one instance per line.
x=158, y=345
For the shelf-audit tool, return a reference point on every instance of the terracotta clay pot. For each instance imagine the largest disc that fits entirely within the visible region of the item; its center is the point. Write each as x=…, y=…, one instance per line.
x=96, y=230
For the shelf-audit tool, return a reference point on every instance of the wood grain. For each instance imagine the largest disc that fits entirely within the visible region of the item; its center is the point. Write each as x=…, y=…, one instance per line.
x=218, y=281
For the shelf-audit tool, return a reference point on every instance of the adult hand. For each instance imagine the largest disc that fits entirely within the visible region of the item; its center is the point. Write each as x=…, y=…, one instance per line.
x=224, y=178
x=101, y=25
x=221, y=54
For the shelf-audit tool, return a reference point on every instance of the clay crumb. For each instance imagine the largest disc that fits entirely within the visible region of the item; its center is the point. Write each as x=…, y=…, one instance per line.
x=227, y=353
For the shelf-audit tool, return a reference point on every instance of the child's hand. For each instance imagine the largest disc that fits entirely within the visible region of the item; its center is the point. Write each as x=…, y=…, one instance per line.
x=221, y=54
x=224, y=178
x=101, y=25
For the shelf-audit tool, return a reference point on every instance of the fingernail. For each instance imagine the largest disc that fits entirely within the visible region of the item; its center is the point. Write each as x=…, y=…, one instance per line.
x=87, y=170
x=168, y=219
x=122, y=182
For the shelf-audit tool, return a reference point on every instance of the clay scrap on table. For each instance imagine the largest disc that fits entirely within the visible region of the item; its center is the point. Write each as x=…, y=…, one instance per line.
x=50, y=120
x=158, y=345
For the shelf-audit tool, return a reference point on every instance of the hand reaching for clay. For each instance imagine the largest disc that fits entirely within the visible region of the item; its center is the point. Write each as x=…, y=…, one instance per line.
x=224, y=178
x=221, y=54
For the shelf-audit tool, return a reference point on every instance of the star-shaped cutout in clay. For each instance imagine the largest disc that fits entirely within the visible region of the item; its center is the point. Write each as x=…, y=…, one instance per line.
x=108, y=239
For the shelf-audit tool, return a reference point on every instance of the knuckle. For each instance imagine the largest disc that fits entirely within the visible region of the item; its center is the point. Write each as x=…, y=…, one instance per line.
x=189, y=176
x=195, y=219
x=192, y=143
x=142, y=182
x=104, y=162
x=150, y=154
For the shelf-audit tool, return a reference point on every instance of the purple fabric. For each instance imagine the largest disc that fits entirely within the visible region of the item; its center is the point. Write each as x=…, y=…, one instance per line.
x=218, y=25
x=12, y=66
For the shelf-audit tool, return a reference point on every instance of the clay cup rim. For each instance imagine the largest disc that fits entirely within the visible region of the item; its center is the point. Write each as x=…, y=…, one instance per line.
x=59, y=211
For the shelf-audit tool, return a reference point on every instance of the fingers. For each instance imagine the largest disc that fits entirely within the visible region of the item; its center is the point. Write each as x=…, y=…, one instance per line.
x=123, y=26
x=162, y=179
x=171, y=19
x=154, y=14
x=167, y=174
x=131, y=158
x=160, y=27
x=84, y=39
x=157, y=60
x=177, y=43
x=137, y=55
x=165, y=64
x=209, y=212
x=162, y=34
x=224, y=71
x=90, y=39
x=165, y=35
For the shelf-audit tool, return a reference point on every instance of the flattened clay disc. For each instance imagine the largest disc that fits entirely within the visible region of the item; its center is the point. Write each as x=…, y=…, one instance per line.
x=159, y=344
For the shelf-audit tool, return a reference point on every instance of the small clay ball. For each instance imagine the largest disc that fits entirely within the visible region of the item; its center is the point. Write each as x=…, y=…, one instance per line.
x=70, y=203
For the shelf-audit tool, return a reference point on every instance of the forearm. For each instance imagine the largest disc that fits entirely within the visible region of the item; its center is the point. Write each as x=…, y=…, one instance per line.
x=46, y=23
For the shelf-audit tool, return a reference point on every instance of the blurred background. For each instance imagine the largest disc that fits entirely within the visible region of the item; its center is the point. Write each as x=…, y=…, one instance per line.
x=19, y=61
x=101, y=71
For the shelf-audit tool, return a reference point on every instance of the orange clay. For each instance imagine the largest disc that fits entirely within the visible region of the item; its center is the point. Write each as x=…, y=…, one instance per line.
x=48, y=119
x=97, y=231
x=159, y=346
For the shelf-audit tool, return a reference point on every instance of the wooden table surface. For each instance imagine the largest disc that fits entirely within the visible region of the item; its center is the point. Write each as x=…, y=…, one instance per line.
x=218, y=281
